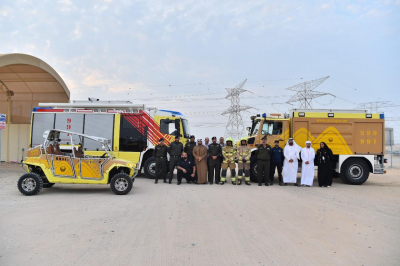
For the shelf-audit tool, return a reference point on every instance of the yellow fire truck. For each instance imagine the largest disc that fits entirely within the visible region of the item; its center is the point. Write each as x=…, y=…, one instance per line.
x=132, y=129
x=356, y=138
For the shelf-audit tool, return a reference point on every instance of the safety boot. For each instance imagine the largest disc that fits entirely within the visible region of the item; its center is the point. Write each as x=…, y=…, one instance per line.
x=247, y=183
x=239, y=182
x=233, y=183
x=222, y=182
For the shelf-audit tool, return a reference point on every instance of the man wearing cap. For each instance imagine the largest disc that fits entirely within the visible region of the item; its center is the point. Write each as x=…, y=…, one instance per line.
x=214, y=158
x=228, y=153
x=307, y=167
x=200, y=155
x=264, y=154
x=277, y=163
x=175, y=150
x=160, y=154
x=189, y=146
x=186, y=169
x=243, y=154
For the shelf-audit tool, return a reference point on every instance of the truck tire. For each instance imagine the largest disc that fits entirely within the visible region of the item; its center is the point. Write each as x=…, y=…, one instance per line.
x=253, y=169
x=354, y=171
x=150, y=168
x=121, y=184
x=30, y=184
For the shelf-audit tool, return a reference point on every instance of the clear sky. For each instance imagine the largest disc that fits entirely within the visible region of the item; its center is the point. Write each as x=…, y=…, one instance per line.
x=181, y=55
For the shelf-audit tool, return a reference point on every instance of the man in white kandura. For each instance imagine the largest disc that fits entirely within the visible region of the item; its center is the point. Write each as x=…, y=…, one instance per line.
x=290, y=165
x=307, y=167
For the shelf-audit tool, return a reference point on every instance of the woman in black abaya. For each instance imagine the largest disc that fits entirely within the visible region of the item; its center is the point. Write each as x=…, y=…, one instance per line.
x=323, y=159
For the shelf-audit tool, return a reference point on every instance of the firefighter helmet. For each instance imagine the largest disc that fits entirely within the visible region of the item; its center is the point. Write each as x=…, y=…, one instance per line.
x=229, y=139
x=243, y=139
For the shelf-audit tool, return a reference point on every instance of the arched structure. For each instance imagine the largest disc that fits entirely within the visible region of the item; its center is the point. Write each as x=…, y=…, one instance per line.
x=24, y=82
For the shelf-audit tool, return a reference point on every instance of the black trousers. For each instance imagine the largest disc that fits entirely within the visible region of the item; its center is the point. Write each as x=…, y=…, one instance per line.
x=273, y=167
x=161, y=168
x=194, y=160
x=187, y=176
x=173, y=162
x=263, y=171
x=214, y=165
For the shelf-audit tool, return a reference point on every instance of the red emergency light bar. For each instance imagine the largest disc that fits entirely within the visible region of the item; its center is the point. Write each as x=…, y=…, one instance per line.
x=86, y=111
x=49, y=110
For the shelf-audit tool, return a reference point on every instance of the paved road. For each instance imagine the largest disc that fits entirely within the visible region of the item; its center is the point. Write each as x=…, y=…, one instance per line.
x=201, y=224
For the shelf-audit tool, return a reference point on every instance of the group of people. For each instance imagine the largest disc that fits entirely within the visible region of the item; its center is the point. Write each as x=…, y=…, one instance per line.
x=209, y=162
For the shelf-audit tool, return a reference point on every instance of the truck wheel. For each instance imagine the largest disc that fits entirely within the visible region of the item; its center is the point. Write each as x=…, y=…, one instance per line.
x=150, y=168
x=354, y=172
x=121, y=184
x=30, y=184
x=253, y=169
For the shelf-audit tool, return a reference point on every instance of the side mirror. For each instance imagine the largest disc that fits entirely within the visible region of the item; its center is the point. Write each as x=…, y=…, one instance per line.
x=248, y=129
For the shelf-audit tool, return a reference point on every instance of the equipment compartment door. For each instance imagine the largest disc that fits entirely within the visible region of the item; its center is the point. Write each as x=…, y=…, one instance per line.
x=300, y=132
x=368, y=138
x=133, y=133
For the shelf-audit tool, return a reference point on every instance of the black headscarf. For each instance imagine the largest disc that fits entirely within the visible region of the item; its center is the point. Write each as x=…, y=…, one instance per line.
x=325, y=146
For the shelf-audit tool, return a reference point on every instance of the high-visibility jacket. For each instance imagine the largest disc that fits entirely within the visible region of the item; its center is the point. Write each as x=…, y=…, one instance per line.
x=243, y=152
x=229, y=153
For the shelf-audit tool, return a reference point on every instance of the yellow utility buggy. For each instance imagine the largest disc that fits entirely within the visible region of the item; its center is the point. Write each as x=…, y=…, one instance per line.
x=52, y=163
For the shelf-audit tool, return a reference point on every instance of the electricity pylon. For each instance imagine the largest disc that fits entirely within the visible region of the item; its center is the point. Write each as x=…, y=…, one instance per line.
x=235, y=128
x=305, y=93
x=374, y=107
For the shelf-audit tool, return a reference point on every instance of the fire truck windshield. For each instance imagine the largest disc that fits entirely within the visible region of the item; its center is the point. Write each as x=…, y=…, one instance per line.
x=186, y=130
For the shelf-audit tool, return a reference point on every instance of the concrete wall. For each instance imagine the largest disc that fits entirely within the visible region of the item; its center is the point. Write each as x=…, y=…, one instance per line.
x=19, y=139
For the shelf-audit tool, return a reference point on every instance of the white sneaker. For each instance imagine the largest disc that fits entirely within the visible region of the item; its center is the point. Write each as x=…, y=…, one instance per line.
x=328, y=186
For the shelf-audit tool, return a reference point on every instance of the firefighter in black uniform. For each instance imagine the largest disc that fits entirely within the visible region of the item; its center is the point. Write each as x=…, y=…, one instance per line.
x=189, y=147
x=160, y=154
x=264, y=154
x=214, y=161
x=175, y=150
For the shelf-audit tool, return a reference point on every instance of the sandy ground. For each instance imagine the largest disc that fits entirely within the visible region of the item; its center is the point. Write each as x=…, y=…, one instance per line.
x=201, y=224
